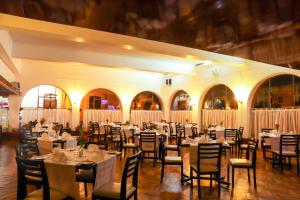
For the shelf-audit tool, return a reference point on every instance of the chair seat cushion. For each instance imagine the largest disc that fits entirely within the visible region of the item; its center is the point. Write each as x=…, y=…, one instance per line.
x=38, y=194
x=266, y=145
x=244, y=146
x=129, y=145
x=84, y=176
x=285, y=153
x=240, y=162
x=113, y=191
x=171, y=147
x=173, y=159
x=149, y=149
x=206, y=168
x=231, y=142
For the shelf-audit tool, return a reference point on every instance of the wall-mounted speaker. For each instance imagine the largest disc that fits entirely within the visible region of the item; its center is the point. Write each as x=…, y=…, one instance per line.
x=168, y=81
x=15, y=84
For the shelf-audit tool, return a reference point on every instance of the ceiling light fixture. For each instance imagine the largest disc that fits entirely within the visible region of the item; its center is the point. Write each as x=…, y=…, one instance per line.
x=128, y=47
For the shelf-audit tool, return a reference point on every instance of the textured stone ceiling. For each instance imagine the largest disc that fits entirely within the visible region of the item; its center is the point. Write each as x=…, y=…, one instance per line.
x=262, y=30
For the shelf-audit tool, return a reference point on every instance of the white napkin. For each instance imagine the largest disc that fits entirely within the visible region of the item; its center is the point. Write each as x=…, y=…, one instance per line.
x=96, y=132
x=93, y=148
x=65, y=136
x=45, y=136
x=58, y=156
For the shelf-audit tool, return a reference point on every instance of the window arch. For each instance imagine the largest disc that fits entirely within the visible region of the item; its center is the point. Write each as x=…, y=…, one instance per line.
x=281, y=91
x=181, y=101
x=47, y=97
x=46, y=102
x=146, y=101
x=220, y=97
x=101, y=99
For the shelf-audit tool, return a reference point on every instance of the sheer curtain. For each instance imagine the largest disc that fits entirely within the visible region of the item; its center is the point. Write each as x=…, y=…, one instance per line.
x=288, y=120
x=215, y=117
x=140, y=116
x=51, y=115
x=181, y=116
x=101, y=116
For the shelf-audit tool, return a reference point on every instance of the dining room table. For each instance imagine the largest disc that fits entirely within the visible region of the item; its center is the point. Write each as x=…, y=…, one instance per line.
x=273, y=139
x=61, y=168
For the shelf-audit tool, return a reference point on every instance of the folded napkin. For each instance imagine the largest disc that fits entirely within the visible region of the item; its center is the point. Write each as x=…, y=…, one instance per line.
x=45, y=136
x=93, y=148
x=96, y=132
x=65, y=136
x=58, y=156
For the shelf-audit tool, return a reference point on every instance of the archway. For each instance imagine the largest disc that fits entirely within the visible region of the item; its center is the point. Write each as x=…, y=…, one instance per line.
x=146, y=106
x=276, y=100
x=46, y=102
x=181, y=108
x=100, y=105
x=219, y=107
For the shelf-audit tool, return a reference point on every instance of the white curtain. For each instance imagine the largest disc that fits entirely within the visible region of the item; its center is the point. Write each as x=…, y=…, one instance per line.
x=4, y=118
x=288, y=120
x=101, y=116
x=181, y=116
x=51, y=115
x=140, y=116
x=215, y=117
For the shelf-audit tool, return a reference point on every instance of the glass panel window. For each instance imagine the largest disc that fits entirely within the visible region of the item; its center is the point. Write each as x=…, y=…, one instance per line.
x=181, y=101
x=146, y=101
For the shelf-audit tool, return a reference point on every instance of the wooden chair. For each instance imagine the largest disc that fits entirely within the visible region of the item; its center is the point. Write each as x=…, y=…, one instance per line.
x=213, y=134
x=194, y=132
x=126, y=145
x=145, y=126
x=170, y=160
x=115, y=137
x=180, y=129
x=86, y=173
x=288, y=148
x=33, y=172
x=148, y=145
x=173, y=147
x=127, y=188
x=172, y=132
x=231, y=136
x=265, y=147
x=208, y=163
x=246, y=163
x=30, y=146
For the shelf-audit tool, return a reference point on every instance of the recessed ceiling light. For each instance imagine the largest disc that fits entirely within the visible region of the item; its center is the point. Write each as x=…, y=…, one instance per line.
x=79, y=39
x=128, y=47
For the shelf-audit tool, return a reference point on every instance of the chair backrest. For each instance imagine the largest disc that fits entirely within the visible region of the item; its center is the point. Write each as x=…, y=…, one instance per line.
x=194, y=132
x=180, y=129
x=251, y=151
x=145, y=125
x=107, y=129
x=130, y=172
x=289, y=141
x=266, y=130
x=31, y=172
x=171, y=128
x=30, y=145
x=88, y=166
x=209, y=153
x=213, y=134
x=148, y=139
x=231, y=134
x=118, y=123
x=241, y=131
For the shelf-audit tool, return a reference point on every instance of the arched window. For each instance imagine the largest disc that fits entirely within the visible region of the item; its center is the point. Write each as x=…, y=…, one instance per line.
x=100, y=105
x=48, y=102
x=146, y=101
x=278, y=92
x=46, y=96
x=181, y=101
x=4, y=112
x=220, y=97
x=101, y=99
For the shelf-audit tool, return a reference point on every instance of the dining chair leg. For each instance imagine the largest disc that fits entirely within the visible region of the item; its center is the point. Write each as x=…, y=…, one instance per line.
x=191, y=177
x=125, y=152
x=228, y=173
x=199, y=187
x=281, y=163
x=85, y=189
x=290, y=166
x=181, y=166
x=297, y=164
x=219, y=183
x=135, y=195
x=210, y=181
x=162, y=172
x=248, y=169
x=154, y=159
x=232, y=178
x=254, y=177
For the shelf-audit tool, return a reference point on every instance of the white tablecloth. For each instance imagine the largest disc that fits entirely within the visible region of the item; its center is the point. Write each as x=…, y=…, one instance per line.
x=273, y=140
x=62, y=177
x=219, y=132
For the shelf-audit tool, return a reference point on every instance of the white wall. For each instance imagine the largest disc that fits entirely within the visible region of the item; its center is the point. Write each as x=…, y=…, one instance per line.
x=77, y=79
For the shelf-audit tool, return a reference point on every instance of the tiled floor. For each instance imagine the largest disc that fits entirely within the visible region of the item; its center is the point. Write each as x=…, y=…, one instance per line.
x=271, y=184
